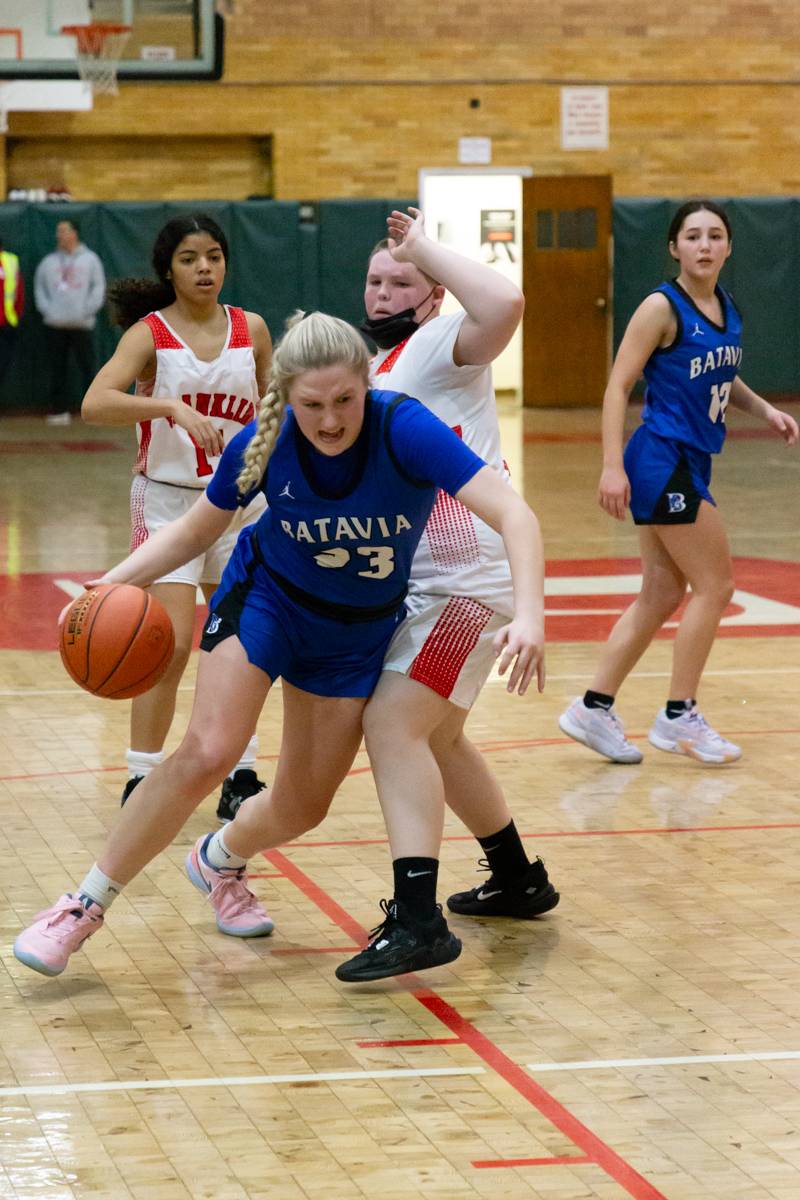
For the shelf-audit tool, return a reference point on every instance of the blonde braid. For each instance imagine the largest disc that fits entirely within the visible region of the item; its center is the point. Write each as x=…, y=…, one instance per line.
x=262, y=443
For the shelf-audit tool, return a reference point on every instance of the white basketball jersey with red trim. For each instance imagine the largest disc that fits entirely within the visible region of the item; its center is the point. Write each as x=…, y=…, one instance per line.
x=225, y=389
x=458, y=554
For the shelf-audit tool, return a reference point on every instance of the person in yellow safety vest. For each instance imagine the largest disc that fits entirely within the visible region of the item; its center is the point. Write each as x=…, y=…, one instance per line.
x=12, y=307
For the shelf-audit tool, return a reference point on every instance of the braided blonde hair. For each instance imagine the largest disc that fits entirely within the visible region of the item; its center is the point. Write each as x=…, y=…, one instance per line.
x=312, y=340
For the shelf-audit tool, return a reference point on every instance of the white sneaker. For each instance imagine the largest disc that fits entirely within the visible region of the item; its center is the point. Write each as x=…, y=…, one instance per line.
x=691, y=734
x=64, y=418
x=600, y=729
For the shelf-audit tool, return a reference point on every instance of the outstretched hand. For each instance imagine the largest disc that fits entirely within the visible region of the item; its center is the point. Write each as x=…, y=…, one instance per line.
x=521, y=643
x=404, y=230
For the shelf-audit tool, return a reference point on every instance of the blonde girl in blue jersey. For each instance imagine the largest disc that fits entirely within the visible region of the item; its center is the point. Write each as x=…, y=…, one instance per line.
x=312, y=594
x=685, y=339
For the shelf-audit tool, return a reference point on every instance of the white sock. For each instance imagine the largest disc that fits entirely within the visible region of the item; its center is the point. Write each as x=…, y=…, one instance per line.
x=98, y=887
x=248, y=760
x=217, y=854
x=141, y=764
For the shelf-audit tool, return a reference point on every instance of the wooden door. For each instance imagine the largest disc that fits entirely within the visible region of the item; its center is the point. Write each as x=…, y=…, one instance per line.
x=566, y=223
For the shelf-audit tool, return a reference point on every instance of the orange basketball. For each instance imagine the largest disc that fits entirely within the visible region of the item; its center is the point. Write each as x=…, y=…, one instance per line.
x=116, y=640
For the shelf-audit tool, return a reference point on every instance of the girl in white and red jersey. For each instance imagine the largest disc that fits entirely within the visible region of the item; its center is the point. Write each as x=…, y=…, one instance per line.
x=199, y=368
x=459, y=595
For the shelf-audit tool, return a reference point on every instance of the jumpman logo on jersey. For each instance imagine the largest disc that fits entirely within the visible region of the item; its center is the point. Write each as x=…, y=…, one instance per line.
x=287, y=492
x=697, y=331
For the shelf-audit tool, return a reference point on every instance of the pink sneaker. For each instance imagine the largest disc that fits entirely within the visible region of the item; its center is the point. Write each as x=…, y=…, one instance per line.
x=45, y=946
x=239, y=912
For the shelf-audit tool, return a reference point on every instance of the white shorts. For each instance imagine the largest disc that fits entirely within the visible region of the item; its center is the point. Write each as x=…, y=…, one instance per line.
x=154, y=505
x=445, y=643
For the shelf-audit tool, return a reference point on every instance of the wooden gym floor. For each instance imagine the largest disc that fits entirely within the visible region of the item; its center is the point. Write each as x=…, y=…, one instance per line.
x=640, y=1041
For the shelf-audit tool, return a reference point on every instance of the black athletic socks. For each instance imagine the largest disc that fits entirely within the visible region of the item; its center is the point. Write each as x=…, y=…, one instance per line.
x=598, y=700
x=415, y=885
x=677, y=708
x=505, y=854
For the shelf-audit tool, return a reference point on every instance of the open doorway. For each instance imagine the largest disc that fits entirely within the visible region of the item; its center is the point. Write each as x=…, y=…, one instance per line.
x=478, y=212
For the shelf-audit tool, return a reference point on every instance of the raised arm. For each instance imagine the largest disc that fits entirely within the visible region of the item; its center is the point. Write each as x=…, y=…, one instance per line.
x=522, y=641
x=492, y=303
x=107, y=402
x=173, y=545
x=651, y=326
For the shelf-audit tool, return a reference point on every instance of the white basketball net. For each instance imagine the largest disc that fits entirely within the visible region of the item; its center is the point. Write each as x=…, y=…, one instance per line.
x=99, y=51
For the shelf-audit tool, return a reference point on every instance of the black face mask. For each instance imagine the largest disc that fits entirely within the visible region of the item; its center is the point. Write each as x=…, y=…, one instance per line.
x=388, y=332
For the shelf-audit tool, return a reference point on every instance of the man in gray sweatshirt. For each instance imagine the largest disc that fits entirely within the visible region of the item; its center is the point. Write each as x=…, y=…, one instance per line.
x=69, y=289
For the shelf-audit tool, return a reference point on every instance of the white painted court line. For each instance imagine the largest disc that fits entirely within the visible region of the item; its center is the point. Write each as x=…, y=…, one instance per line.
x=599, y=1064
x=143, y=1085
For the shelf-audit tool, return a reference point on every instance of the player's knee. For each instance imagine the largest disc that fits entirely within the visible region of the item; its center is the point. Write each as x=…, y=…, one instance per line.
x=379, y=722
x=207, y=759
x=717, y=593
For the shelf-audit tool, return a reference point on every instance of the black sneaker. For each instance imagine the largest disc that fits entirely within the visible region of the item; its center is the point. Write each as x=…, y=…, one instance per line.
x=129, y=786
x=401, y=944
x=528, y=896
x=245, y=783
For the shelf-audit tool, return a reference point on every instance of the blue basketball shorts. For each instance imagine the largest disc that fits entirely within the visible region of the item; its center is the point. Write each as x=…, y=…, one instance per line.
x=321, y=655
x=668, y=479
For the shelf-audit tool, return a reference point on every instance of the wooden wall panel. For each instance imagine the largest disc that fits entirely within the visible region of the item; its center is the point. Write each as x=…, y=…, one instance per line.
x=142, y=167
x=665, y=140
x=356, y=100
x=531, y=40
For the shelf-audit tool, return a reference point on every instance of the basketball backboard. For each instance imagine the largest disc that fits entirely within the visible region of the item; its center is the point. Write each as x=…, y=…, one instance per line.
x=169, y=39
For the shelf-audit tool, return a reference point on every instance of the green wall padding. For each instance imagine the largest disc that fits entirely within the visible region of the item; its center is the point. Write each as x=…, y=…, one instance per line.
x=279, y=263
x=762, y=274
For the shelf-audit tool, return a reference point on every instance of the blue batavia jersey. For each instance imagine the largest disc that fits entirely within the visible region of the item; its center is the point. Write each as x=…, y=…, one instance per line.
x=689, y=383
x=350, y=545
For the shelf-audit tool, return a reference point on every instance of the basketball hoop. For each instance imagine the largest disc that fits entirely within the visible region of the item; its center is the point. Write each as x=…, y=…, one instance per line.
x=99, y=50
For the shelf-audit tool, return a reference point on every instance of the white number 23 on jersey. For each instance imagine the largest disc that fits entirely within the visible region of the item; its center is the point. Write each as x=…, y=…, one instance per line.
x=380, y=560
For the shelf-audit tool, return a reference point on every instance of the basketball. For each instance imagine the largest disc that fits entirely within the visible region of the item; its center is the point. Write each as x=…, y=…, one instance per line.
x=116, y=640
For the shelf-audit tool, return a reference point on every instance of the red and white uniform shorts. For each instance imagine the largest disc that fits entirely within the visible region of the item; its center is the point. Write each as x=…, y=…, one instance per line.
x=155, y=504
x=446, y=643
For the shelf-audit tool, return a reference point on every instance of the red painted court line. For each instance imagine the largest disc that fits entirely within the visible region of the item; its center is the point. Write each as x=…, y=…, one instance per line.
x=532, y=1162
x=596, y=1150
x=453, y=1041
x=325, y=903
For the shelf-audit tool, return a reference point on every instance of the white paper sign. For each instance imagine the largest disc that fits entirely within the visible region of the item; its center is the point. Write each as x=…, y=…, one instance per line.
x=584, y=118
x=157, y=53
x=475, y=150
